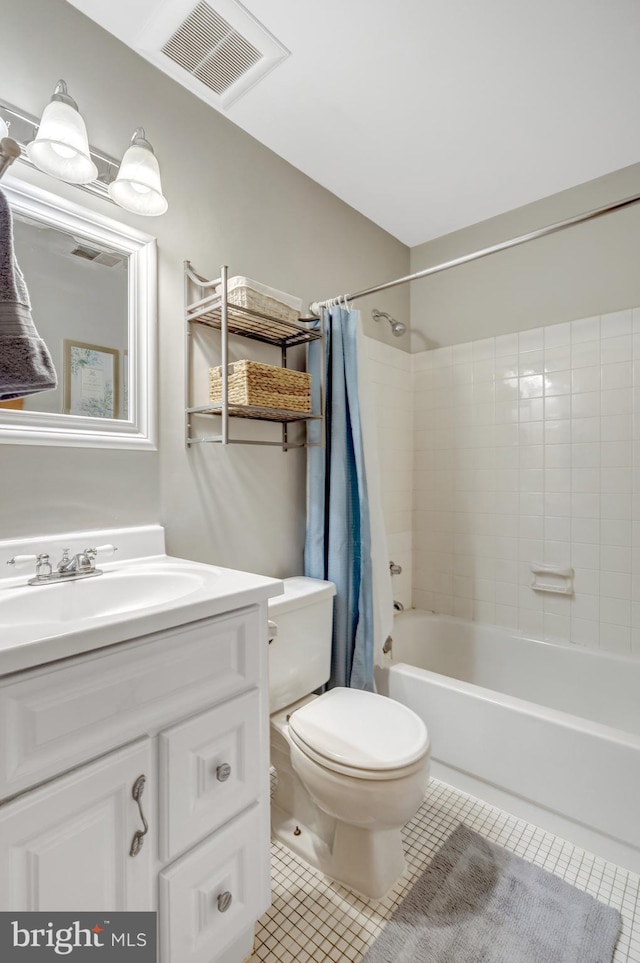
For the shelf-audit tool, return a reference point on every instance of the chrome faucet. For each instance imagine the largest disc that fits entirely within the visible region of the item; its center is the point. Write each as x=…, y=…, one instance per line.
x=395, y=569
x=80, y=565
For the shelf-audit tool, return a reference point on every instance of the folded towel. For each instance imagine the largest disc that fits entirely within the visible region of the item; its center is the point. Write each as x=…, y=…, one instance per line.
x=25, y=362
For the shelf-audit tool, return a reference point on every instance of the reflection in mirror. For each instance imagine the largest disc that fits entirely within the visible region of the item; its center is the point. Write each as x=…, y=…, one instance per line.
x=78, y=292
x=92, y=286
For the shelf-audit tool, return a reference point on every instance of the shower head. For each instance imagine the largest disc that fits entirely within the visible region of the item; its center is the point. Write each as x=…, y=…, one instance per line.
x=398, y=328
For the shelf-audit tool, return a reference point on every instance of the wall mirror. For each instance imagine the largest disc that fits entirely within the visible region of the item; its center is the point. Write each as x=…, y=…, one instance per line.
x=92, y=283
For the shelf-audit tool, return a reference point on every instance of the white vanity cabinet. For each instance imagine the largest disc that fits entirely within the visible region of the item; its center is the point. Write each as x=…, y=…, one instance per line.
x=187, y=708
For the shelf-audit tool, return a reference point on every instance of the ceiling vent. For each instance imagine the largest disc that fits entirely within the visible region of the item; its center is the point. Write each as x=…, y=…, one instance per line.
x=218, y=50
x=210, y=49
x=97, y=257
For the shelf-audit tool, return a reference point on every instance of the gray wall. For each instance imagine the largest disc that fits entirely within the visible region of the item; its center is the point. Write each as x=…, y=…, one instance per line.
x=231, y=201
x=586, y=270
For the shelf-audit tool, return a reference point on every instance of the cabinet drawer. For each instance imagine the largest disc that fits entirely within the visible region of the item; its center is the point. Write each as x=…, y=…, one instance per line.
x=196, y=926
x=209, y=771
x=69, y=712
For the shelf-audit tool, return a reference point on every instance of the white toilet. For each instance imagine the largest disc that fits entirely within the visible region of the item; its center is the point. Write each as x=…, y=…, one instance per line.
x=351, y=767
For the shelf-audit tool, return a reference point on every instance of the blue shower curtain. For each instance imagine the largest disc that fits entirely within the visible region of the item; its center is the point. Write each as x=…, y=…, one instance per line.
x=338, y=538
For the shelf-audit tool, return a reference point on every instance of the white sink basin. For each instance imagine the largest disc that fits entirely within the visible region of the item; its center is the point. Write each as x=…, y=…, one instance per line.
x=134, y=597
x=111, y=593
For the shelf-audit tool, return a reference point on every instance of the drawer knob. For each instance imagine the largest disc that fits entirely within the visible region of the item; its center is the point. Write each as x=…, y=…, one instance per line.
x=223, y=772
x=224, y=901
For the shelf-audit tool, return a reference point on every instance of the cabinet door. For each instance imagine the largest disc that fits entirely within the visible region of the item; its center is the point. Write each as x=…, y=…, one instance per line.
x=65, y=846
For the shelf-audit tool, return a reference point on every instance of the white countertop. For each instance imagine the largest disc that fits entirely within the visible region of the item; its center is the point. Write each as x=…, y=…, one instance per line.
x=136, y=595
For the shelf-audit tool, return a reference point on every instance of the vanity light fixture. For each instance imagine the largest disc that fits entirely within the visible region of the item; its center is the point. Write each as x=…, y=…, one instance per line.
x=137, y=187
x=57, y=144
x=61, y=147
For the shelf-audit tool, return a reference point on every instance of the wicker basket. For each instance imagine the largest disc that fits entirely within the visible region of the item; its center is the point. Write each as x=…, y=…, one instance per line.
x=262, y=386
x=245, y=293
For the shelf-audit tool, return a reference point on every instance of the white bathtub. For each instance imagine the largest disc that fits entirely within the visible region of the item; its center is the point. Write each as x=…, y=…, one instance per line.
x=549, y=731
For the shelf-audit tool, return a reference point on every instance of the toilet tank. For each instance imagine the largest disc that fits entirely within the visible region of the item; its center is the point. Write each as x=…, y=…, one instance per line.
x=300, y=653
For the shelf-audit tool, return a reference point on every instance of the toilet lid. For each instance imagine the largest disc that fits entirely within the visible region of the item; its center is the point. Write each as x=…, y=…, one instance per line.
x=360, y=730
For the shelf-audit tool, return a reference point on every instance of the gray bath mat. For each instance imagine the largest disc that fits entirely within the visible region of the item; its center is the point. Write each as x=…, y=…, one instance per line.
x=478, y=903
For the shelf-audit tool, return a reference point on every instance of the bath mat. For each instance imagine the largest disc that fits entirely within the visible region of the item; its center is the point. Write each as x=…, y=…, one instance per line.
x=478, y=903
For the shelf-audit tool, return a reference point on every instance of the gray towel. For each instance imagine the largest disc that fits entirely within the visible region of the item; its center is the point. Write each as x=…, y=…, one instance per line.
x=25, y=362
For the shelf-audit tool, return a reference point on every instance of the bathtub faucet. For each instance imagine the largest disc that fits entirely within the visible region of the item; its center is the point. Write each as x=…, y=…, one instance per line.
x=398, y=606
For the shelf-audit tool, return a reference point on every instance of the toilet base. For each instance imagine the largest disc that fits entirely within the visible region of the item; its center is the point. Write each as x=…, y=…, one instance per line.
x=367, y=862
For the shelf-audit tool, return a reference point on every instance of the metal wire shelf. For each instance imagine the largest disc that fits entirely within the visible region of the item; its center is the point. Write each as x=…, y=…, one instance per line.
x=255, y=412
x=255, y=325
x=214, y=310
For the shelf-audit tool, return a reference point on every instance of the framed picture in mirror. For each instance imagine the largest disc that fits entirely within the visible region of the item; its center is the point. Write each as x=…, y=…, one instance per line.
x=91, y=380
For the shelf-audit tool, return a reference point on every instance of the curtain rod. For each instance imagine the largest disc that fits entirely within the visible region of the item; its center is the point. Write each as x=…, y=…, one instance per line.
x=316, y=306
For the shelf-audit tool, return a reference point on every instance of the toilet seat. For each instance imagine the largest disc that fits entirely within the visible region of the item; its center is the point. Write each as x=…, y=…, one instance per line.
x=360, y=734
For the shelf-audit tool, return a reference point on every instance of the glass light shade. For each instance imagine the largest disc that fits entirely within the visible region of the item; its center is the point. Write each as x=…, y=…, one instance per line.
x=137, y=187
x=61, y=147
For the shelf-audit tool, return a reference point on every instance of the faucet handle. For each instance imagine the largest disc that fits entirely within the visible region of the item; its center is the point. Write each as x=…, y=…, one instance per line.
x=100, y=550
x=43, y=565
x=90, y=554
x=19, y=560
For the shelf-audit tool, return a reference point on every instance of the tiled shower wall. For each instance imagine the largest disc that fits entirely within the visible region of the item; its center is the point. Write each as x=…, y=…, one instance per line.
x=527, y=449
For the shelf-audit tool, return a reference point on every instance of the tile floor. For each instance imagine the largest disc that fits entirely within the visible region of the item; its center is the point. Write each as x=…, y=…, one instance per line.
x=312, y=920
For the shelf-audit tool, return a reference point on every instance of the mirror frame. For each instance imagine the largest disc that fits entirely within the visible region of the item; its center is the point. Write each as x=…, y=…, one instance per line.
x=139, y=431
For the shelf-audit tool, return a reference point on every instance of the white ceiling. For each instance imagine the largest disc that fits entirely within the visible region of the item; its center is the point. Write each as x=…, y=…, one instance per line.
x=430, y=115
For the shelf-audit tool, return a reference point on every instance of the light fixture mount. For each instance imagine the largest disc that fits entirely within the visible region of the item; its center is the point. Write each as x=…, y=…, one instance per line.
x=62, y=95
x=139, y=139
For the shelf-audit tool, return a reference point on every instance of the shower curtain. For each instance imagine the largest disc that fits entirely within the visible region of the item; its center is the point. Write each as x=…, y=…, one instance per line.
x=345, y=539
